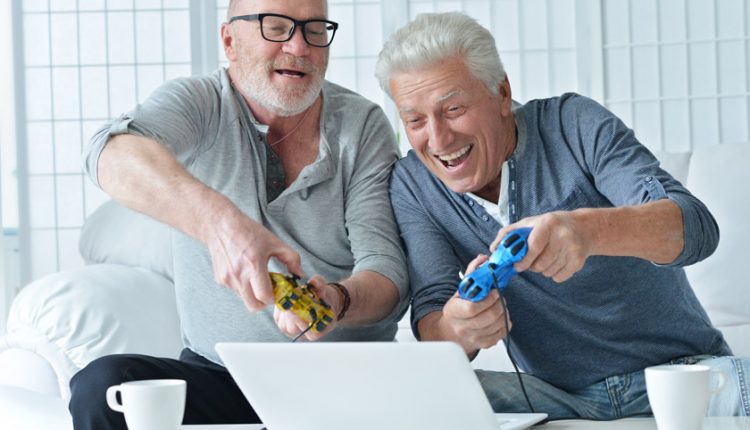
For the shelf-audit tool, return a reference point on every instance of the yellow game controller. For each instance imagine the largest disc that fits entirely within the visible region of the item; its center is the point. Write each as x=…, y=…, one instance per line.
x=292, y=295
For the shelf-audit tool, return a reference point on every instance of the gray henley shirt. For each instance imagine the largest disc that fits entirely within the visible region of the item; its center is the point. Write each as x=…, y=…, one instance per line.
x=336, y=214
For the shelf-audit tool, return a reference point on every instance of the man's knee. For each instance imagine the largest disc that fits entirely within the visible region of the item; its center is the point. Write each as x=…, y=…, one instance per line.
x=89, y=385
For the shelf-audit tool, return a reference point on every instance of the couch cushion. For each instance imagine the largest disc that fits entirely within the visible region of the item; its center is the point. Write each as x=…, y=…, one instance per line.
x=719, y=176
x=675, y=163
x=118, y=235
x=73, y=317
x=22, y=367
x=26, y=410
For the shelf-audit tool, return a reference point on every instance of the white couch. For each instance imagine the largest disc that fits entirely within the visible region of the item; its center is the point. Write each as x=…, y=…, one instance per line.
x=123, y=300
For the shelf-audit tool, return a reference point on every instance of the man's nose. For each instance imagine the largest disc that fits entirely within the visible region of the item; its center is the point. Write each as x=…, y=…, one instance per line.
x=440, y=134
x=297, y=45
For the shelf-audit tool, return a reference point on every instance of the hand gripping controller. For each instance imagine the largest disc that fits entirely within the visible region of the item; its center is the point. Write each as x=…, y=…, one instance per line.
x=497, y=271
x=292, y=295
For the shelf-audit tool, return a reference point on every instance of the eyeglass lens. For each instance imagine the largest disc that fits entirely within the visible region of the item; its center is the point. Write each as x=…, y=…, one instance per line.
x=278, y=29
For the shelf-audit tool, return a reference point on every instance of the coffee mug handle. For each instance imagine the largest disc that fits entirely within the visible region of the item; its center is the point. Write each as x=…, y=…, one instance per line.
x=722, y=380
x=112, y=398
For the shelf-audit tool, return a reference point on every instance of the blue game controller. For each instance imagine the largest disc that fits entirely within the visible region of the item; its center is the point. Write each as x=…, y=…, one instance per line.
x=497, y=271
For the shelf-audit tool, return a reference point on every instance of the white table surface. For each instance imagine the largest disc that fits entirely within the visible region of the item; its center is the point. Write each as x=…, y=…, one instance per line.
x=712, y=423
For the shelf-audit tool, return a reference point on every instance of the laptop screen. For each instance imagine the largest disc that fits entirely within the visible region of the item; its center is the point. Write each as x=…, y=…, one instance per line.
x=355, y=385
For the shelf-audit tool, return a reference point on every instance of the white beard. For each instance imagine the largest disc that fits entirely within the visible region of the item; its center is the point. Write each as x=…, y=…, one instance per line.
x=289, y=100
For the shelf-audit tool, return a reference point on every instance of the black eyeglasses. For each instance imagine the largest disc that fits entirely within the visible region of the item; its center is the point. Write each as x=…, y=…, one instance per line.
x=280, y=28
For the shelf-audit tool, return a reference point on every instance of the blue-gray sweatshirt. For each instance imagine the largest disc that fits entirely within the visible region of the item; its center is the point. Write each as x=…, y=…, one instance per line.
x=617, y=314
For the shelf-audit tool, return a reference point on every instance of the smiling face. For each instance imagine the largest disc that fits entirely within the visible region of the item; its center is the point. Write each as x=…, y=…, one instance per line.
x=460, y=131
x=281, y=78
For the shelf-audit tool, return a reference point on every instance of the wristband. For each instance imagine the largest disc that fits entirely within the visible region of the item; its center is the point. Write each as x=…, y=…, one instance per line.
x=347, y=299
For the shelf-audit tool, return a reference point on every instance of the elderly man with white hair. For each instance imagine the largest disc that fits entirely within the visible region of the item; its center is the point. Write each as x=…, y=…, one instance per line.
x=601, y=293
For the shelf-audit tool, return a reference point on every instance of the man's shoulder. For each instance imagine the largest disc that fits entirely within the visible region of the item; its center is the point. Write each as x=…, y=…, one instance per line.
x=410, y=162
x=567, y=113
x=197, y=84
x=342, y=96
x=410, y=170
x=568, y=100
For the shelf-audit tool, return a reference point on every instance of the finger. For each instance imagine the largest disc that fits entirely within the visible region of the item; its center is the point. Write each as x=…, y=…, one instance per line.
x=290, y=258
x=489, y=319
x=476, y=262
x=279, y=317
x=312, y=335
x=536, y=245
x=291, y=324
x=570, y=269
x=317, y=282
x=467, y=311
x=461, y=309
x=556, y=267
x=225, y=275
x=549, y=258
x=280, y=322
x=244, y=289
x=501, y=234
x=546, y=261
x=491, y=339
x=260, y=283
x=484, y=338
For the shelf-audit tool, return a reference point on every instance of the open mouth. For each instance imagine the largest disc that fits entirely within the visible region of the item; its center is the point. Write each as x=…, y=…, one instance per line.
x=456, y=158
x=290, y=73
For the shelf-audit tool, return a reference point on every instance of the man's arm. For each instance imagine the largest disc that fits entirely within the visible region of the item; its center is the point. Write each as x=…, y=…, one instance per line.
x=378, y=288
x=473, y=325
x=143, y=175
x=372, y=295
x=560, y=242
x=379, y=284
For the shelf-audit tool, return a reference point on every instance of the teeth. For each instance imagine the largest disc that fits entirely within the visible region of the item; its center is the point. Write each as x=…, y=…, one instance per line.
x=453, y=156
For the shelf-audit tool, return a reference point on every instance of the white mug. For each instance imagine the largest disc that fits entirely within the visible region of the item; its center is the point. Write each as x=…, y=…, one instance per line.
x=153, y=404
x=679, y=394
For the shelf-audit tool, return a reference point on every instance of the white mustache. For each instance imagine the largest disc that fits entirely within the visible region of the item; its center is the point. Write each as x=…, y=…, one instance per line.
x=296, y=63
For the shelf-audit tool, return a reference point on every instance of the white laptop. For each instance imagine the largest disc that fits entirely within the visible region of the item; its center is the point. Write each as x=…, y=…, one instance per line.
x=364, y=386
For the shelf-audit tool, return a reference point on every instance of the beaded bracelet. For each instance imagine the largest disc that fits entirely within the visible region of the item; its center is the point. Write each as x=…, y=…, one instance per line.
x=347, y=299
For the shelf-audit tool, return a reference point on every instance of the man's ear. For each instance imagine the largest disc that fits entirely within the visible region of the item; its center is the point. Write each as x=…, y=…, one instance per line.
x=504, y=94
x=226, y=41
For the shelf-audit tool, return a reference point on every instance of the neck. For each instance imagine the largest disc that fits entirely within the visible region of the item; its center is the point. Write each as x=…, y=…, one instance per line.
x=278, y=124
x=491, y=191
x=282, y=128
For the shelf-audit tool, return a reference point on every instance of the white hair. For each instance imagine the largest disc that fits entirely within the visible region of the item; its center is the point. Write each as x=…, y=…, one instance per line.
x=434, y=37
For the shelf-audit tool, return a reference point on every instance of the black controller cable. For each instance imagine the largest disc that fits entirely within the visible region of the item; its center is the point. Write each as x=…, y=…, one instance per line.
x=507, y=343
x=303, y=332
x=523, y=388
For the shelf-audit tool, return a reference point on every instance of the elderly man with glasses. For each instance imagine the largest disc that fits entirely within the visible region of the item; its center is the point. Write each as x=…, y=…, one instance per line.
x=261, y=167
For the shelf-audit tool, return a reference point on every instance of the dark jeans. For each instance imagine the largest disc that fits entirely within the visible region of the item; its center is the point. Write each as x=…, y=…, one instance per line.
x=212, y=395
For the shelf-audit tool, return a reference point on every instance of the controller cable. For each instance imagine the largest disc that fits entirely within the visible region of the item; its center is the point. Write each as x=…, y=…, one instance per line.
x=303, y=332
x=523, y=387
x=507, y=344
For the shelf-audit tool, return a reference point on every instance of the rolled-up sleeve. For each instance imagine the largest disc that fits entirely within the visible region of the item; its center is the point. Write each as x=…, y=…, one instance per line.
x=369, y=218
x=433, y=264
x=627, y=173
x=178, y=115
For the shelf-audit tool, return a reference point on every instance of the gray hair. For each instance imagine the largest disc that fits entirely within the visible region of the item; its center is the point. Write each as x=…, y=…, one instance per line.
x=434, y=37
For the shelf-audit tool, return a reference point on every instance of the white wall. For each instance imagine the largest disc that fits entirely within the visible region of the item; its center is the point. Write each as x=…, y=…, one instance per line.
x=675, y=70
x=7, y=154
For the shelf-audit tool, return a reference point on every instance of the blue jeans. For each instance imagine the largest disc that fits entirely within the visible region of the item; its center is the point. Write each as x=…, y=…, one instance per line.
x=615, y=397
